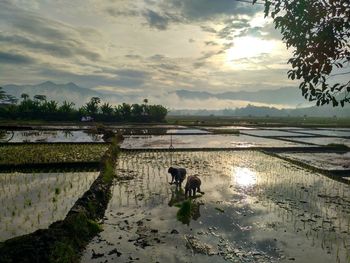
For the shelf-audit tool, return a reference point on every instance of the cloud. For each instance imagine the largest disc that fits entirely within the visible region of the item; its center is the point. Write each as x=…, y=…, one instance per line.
x=116, y=12
x=210, y=43
x=233, y=27
x=11, y=58
x=63, y=49
x=208, y=29
x=209, y=9
x=144, y=48
x=159, y=21
x=132, y=73
x=30, y=31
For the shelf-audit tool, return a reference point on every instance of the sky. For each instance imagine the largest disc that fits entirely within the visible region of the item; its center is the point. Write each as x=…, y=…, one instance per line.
x=143, y=48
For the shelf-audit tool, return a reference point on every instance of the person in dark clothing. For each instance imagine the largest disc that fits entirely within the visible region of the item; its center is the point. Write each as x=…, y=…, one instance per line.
x=178, y=175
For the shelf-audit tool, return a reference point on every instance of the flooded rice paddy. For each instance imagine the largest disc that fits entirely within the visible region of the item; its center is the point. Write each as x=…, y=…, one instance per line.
x=157, y=137
x=323, y=140
x=40, y=136
x=325, y=161
x=203, y=141
x=256, y=208
x=274, y=133
x=32, y=201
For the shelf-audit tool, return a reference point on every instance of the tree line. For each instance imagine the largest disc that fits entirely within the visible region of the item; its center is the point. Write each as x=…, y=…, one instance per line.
x=39, y=108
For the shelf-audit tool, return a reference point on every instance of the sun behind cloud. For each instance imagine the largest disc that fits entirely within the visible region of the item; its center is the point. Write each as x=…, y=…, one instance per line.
x=248, y=47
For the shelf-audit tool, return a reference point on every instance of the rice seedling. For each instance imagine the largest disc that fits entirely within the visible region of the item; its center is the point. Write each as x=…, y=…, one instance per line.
x=28, y=197
x=312, y=207
x=46, y=153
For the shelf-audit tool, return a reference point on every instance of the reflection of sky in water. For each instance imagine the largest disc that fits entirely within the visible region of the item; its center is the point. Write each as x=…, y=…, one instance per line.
x=243, y=177
x=252, y=201
x=52, y=136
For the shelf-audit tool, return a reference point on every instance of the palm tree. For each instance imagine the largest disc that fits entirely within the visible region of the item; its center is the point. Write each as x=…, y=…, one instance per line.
x=50, y=106
x=2, y=94
x=145, y=110
x=92, y=106
x=67, y=107
x=6, y=98
x=107, y=109
x=125, y=111
x=24, y=96
x=40, y=98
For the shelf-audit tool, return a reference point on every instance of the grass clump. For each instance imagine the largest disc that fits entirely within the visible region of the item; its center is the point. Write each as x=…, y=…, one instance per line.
x=57, y=191
x=80, y=227
x=108, y=172
x=338, y=146
x=63, y=252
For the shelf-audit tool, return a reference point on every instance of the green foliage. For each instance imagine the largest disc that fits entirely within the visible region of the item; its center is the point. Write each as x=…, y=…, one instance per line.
x=338, y=146
x=319, y=32
x=41, y=109
x=63, y=252
x=6, y=98
x=108, y=172
x=124, y=110
x=107, y=109
x=57, y=191
x=92, y=106
x=80, y=227
x=40, y=98
x=66, y=107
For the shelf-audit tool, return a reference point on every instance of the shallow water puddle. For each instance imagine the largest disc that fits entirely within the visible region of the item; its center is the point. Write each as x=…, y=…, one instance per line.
x=256, y=208
x=32, y=201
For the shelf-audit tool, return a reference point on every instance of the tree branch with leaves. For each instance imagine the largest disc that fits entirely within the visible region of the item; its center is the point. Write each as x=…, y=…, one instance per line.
x=319, y=32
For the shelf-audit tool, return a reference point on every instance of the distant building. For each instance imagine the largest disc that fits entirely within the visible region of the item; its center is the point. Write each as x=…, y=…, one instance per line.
x=87, y=118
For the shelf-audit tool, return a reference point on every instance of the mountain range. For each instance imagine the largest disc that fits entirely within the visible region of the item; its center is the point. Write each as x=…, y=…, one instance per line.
x=59, y=92
x=284, y=96
x=71, y=92
x=289, y=96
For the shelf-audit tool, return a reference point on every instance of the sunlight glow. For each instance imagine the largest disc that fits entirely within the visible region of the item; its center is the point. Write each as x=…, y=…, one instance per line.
x=244, y=176
x=248, y=47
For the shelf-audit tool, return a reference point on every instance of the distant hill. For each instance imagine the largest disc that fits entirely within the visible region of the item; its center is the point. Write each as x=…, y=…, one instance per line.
x=290, y=96
x=59, y=92
x=256, y=111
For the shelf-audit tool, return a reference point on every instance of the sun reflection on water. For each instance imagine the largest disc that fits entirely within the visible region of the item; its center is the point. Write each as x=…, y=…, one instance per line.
x=243, y=176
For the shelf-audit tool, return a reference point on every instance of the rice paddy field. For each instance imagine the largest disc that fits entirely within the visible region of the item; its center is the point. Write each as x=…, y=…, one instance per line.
x=12, y=154
x=35, y=200
x=256, y=208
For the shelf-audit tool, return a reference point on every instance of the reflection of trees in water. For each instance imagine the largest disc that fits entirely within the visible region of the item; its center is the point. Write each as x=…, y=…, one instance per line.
x=67, y=133
x=142, y=131
x=6, y=136
x=95, y=137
